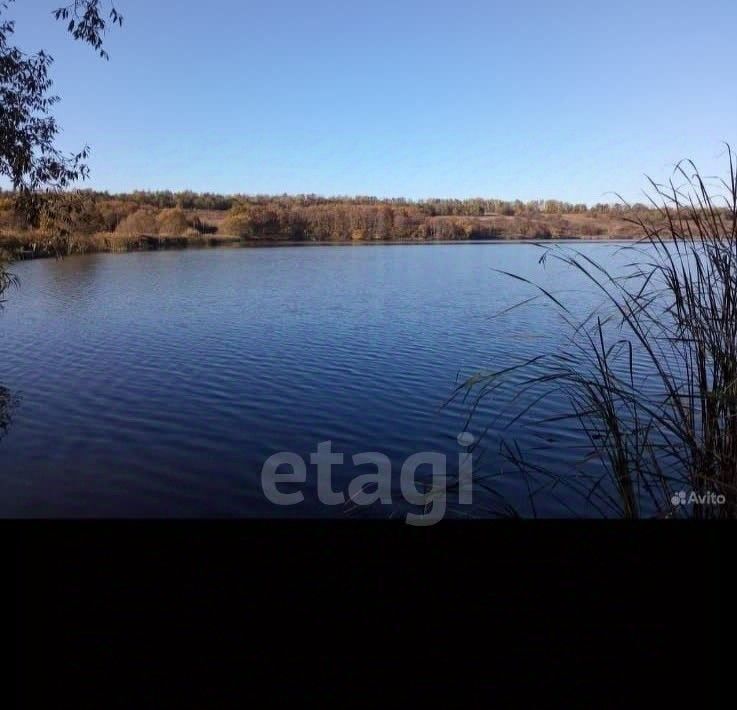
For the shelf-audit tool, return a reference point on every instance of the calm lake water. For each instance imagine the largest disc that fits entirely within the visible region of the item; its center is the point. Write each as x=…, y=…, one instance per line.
x=157, y=384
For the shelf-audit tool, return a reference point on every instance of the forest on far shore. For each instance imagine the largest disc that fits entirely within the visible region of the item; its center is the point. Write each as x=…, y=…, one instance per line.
x=86, y=220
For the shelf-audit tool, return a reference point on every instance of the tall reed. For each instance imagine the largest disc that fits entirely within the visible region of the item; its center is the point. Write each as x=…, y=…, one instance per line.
x=651, y=374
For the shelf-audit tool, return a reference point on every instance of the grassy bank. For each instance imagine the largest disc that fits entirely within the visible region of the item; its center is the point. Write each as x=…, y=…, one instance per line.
x=32, y=245
x=29, y=245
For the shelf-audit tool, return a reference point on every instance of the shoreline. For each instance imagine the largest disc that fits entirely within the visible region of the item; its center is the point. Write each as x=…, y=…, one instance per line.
x=152, y=244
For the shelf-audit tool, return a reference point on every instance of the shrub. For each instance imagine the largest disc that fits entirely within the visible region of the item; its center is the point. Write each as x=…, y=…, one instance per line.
x=237, y=224
x=72, y=213
x=12, y=220
x=138, y=223
x=172, y=222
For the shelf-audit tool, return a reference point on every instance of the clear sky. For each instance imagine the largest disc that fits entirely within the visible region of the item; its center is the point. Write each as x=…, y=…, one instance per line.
x=562, y=99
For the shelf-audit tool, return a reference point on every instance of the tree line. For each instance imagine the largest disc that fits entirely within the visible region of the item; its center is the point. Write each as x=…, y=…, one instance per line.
x=433, y=207
x=83, y=213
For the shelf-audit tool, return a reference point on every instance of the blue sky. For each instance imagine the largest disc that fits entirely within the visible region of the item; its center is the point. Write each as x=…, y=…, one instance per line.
x=526, y=100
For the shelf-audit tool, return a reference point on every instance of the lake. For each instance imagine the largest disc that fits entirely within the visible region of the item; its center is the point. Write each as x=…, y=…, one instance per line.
x=158, y=383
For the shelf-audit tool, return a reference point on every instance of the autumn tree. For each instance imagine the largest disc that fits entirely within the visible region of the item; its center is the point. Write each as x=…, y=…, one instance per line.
x=30, y=159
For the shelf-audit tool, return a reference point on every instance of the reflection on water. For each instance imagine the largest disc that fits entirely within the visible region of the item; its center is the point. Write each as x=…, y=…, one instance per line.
x=7, y=404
